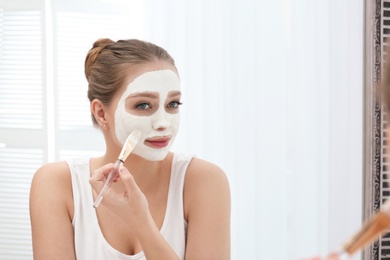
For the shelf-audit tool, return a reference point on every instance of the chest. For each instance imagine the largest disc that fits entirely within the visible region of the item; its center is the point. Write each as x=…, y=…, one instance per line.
x=95, y=229
x=119, y=234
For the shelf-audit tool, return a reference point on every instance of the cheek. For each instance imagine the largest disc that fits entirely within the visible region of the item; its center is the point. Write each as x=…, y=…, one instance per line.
x=175, y=121
x=126, y=123
x=131, y=122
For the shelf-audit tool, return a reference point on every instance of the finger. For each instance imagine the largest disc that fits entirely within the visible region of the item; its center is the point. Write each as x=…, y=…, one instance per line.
x=99, y=176
x=128, y=181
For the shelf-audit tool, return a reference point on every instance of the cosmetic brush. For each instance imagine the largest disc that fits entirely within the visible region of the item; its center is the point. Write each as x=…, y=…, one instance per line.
x=371, y=230
x=129, y=145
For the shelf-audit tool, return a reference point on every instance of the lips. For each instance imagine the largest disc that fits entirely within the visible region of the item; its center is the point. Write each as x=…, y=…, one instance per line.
x=158, y=142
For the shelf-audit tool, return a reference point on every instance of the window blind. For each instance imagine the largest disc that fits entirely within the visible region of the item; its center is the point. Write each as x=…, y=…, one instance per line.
x=21, y=70
x=21, y=125
x=16, y=168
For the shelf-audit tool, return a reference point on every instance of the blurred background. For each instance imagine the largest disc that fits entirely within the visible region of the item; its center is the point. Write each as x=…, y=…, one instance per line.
x=272, y=93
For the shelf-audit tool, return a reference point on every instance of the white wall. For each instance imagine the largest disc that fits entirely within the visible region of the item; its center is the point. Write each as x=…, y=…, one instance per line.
x=327, y=117
x=275, y=90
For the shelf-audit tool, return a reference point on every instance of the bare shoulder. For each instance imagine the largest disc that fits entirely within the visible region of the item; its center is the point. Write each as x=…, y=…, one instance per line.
x=204, y=181
x=54, y=179
x=203, y=171
x=51, y=173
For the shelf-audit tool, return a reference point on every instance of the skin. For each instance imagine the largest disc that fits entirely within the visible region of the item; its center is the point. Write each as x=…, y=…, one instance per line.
x=133, y=209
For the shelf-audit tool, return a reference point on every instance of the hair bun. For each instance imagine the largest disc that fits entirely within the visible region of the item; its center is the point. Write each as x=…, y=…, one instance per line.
x=94, y=52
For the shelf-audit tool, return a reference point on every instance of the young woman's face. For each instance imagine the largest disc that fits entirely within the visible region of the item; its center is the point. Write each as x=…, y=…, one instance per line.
x=150, y=103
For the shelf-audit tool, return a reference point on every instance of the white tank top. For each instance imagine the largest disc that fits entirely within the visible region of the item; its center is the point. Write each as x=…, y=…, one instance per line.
x=89, y=240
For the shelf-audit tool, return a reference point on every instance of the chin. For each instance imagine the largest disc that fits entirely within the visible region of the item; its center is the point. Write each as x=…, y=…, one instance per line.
x=152, y=154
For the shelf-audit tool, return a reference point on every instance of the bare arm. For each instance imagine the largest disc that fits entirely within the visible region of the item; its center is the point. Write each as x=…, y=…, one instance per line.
x=207, y=209
x=51, y=204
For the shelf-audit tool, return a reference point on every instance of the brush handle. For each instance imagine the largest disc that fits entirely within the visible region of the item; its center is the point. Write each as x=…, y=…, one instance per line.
x=111, y=177
x=369, y=231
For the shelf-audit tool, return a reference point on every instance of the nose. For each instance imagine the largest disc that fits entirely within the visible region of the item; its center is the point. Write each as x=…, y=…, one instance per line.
x=160, y=120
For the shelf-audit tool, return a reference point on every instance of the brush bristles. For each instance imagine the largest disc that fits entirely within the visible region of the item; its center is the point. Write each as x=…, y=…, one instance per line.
x=129, y=145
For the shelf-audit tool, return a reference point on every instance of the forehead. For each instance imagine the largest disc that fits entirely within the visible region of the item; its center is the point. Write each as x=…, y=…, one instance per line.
x=156, y=81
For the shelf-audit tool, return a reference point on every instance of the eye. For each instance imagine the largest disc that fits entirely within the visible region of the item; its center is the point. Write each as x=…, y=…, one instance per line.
x=174, y=104
x=143, y=106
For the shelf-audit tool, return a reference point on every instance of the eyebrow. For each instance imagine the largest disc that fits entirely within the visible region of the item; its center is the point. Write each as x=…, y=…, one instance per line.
x=153, y=94
x=174, y=93
x=144, y=94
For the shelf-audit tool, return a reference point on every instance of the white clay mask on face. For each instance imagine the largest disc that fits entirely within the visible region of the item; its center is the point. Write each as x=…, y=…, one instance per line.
x=158, y=129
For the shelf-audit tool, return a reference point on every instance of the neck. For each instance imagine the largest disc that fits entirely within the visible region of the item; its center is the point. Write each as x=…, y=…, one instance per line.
x=134, y=163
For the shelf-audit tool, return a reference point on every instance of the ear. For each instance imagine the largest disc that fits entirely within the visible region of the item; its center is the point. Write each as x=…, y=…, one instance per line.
x=98, y=110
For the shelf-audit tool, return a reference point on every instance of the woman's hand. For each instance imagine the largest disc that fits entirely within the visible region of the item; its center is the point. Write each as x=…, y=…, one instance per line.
x=130, y=205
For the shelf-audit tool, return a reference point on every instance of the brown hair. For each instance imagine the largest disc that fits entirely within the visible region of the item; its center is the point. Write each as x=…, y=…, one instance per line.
x=108, y=63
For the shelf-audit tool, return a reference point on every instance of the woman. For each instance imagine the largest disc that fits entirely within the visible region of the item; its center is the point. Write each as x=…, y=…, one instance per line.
x=162, y=205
